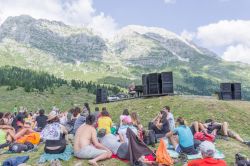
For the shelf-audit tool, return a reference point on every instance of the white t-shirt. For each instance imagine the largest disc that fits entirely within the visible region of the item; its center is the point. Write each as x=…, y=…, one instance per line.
x=171, y=121
x=123, y=130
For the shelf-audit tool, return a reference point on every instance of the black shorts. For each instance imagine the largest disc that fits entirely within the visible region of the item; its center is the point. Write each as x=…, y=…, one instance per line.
x=188, y=150
x=56, y=151
x=214, y=126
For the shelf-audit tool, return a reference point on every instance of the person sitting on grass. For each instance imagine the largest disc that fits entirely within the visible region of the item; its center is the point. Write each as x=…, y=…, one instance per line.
x=80, y=120
x=96, y=113
x=124, y=113
x=105, y=122
x=221, y=129
x=185, y=142
x=5, y=134
x=160, y=125
x=17, y=119
x=41, y=120
x=86, y=109
x=136, y=123
x=170, y=117
x=8, y=118
x=207, y=151
x=54, y=134
x=122, y=131
x=23, y=128
x=113, y=144
x=86, y=145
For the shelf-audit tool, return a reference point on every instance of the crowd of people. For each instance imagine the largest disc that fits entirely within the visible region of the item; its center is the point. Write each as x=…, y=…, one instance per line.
x=96, y=137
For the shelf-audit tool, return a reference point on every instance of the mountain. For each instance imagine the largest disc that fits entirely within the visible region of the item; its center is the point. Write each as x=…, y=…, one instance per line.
x=79, y=53
x=55, y=38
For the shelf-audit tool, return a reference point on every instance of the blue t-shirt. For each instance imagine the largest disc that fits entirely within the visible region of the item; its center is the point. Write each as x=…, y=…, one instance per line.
x=185, y=135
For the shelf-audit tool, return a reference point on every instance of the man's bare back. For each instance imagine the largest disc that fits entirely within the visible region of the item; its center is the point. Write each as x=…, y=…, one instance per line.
x=83, y=137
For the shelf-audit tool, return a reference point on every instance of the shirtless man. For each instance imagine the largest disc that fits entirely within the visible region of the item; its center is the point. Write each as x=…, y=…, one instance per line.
x=86, y=143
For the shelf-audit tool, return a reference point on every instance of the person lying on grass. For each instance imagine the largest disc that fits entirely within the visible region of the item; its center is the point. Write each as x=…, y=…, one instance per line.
x=221, y=129
x=86, y=145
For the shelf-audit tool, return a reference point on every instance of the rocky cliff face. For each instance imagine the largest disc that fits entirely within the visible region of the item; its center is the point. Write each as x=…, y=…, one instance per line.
x=135, y=45
x=78, y=53
x=60, y=40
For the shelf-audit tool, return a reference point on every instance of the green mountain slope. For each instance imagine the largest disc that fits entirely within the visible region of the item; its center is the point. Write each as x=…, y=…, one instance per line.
x=78, y=53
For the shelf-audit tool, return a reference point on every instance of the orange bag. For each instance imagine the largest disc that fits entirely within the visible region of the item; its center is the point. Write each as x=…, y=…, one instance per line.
x=33, y=138
x=162, y=156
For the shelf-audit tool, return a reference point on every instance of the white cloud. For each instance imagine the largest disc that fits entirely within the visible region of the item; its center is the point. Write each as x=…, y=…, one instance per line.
x=187, y=35
x=105, y=25
x=73, y=12
x=169, y=1
x=238, y=53
x=225, y=33
x=231, y=35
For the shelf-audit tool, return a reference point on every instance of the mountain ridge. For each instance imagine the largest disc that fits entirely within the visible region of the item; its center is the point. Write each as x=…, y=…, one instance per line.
x=79, y=53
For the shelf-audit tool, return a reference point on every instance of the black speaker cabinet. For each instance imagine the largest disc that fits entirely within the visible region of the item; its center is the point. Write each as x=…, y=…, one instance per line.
x=225, y=87
x=226, y=96
x=154, y=89
x=167, y=77
x=230, y=91
x=145, y=84
x=101, y=95
x=167, y=88
x=153, y=78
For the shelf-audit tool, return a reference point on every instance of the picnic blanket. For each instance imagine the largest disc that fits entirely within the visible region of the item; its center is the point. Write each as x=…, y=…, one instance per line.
x=116, y=157
x=66, y=155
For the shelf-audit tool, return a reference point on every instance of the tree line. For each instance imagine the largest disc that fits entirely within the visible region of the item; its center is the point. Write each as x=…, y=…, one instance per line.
x=14, y=77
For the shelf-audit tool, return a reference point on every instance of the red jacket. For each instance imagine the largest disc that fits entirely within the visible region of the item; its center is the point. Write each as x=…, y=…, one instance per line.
x=207, y=162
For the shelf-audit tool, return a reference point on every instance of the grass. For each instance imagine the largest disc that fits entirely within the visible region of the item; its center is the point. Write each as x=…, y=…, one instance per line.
x=192, y=108
x=63, y=97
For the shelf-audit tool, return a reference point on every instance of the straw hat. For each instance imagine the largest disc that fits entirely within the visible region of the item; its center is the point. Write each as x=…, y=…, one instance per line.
x=52, y=115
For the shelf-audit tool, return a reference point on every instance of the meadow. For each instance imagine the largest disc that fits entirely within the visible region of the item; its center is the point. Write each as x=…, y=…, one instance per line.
x=192, y=108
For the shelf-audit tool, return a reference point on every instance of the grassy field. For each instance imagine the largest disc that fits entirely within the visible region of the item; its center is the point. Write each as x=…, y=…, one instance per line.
x=63, y=97
x=192, y=108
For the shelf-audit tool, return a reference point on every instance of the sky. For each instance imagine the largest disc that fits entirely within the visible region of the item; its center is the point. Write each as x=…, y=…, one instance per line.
x=222, y=26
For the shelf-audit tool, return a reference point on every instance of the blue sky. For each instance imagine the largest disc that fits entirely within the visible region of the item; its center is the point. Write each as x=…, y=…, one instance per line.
x=177, y=16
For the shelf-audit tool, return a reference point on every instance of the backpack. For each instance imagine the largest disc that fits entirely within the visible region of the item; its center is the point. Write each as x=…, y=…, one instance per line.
x=241, y=160
x=204, y=137
x=18, y=148
x=149, y=137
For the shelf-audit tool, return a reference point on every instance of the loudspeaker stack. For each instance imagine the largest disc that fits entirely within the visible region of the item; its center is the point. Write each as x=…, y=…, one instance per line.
x=101, y=95
x=154, y=83
x=230, y=91
x=167, y=82
x=157, y=83
x=145, y=84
